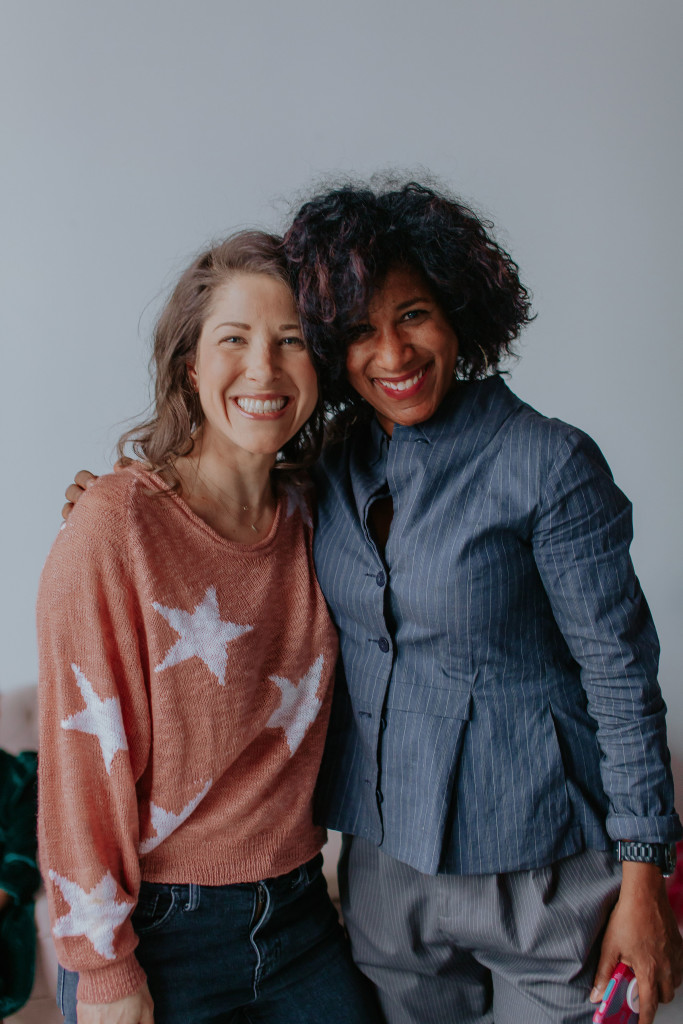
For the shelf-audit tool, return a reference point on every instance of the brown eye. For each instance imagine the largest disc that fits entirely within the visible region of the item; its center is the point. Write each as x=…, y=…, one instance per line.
x=358, y=331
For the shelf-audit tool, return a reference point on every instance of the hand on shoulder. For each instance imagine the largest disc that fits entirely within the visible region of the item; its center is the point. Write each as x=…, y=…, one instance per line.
x=82, y=481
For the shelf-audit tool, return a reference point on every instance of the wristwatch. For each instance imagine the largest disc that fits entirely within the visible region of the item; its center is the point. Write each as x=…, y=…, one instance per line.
x=661, y=854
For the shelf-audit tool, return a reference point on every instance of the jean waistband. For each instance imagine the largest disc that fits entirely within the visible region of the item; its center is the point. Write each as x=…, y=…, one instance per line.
x=298, y=878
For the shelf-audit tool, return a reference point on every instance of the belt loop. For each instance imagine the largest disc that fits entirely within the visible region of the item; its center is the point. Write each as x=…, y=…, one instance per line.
x=299, y=877
x=193, y=893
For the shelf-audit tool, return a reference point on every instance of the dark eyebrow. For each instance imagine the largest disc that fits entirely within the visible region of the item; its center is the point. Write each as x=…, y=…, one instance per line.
x=289, y=327
x=411, y=302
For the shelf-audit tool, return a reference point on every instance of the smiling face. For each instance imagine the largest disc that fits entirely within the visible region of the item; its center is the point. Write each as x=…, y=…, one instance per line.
x=403, y=358
x=257, y=385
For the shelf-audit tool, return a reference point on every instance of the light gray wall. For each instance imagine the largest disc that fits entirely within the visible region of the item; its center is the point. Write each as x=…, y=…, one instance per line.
x=133, y=132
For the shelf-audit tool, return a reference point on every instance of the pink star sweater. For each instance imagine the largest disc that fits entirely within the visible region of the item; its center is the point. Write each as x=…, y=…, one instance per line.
x=185, y=684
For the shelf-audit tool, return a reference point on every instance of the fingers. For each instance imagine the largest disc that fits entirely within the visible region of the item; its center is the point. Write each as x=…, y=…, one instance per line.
x=73, y=493
x=84, y=479
x=670, y=972
x=648, y=991
x=609, y=958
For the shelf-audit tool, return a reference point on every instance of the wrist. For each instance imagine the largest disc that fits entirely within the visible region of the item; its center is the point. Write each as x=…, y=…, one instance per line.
x=640, y=875
x=659, y=855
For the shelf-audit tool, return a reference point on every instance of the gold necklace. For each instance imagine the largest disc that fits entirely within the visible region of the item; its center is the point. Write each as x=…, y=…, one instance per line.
x=219, y=498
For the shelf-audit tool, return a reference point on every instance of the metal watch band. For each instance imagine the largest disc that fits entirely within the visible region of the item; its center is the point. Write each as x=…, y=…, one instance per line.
x=663, y=855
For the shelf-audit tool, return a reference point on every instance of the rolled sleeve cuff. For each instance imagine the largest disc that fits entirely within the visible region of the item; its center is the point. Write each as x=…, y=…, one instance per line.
x=117, y=980
x=645, y=830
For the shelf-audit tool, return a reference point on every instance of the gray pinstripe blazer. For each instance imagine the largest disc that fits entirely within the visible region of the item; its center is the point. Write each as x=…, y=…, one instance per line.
x=498, y=706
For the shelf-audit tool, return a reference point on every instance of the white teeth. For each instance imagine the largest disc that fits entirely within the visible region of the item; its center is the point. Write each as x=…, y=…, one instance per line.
x=258, y=407
x=403, y=385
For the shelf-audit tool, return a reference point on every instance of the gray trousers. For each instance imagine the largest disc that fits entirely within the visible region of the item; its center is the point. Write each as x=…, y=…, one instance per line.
x=518, y=948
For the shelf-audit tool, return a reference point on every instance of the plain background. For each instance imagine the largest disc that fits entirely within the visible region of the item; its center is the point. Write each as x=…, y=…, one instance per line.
x=132, y=133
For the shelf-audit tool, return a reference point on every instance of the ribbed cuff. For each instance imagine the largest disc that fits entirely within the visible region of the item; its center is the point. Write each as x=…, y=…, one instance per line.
x=121, y=978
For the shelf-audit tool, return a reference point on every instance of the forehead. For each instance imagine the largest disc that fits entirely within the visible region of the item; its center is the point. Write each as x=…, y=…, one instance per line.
x=400, y=285
x=251, y=294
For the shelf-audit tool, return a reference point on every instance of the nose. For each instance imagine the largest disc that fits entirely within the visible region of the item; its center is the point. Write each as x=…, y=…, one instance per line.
x=392, y=349
x=263, y=365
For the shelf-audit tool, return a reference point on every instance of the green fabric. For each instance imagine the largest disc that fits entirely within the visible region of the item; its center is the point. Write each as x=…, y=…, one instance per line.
x=19, y=877
x=17, y=957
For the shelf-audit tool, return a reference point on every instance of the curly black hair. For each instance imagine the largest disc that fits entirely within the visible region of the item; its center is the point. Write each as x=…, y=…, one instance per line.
x=341, y=245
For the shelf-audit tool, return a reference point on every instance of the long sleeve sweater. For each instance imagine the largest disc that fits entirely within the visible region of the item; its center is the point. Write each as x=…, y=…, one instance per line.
x=185, y=683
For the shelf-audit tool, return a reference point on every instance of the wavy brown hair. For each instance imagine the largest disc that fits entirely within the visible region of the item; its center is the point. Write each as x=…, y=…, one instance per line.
x=343, y=242
x=168, y=434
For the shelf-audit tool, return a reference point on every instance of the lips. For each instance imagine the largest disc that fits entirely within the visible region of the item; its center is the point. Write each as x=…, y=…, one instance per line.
x=403, y=387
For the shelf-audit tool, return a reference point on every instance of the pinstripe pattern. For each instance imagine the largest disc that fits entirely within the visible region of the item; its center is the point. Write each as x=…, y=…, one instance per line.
x=498, y=707
x=520, y=947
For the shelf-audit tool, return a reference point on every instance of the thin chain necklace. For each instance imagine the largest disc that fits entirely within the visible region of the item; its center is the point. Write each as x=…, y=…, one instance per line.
x=219, y=498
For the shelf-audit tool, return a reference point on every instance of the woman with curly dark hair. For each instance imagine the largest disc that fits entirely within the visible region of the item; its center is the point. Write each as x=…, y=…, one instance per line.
x=497, y=743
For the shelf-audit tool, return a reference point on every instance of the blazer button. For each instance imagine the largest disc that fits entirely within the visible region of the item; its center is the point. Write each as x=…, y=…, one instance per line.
x=383, y=644
x=380, y=578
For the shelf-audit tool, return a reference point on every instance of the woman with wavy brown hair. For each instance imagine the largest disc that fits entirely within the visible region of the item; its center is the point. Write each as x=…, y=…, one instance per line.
x=186, y=666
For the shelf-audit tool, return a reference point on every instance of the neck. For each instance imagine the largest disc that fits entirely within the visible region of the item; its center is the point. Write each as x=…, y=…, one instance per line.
x=234, y=496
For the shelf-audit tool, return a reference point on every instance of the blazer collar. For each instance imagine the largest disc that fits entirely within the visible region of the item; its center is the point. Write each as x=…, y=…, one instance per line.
x=473, y=413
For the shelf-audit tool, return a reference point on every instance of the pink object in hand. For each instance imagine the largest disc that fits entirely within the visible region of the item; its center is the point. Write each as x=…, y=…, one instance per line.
x=620, y=1003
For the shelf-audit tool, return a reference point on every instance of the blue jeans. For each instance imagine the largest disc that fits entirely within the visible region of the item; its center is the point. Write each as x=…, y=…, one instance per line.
x=265, y=951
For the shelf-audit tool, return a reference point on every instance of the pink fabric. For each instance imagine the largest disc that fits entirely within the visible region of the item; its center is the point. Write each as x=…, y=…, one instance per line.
x=184, y=693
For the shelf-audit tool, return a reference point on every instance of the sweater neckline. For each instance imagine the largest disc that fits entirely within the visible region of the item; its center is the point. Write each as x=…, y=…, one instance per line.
x=236, y=546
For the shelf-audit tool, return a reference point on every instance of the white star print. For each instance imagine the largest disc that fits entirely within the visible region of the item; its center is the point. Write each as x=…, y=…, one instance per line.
x=166, y=822
x=296, y=499
x=299, y=706
x=101, y=718
x=94, y=914
x=203, y=634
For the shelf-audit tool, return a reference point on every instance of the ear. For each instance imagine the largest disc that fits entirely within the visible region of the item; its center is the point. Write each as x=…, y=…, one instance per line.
x=193, y=376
